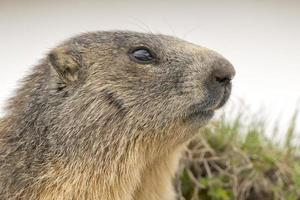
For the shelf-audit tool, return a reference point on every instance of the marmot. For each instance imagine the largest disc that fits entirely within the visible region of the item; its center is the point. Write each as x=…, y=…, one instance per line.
x=105, y=116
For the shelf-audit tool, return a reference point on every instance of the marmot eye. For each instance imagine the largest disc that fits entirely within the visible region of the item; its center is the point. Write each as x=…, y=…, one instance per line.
x=142, y=55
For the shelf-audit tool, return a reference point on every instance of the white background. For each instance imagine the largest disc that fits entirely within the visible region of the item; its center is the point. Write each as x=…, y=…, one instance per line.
x=260, y=37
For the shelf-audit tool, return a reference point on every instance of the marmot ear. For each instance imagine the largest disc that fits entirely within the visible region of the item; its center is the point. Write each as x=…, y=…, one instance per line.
x=66, y=63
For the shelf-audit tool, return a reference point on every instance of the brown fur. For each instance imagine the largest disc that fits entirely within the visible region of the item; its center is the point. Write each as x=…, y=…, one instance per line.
x=89, y=122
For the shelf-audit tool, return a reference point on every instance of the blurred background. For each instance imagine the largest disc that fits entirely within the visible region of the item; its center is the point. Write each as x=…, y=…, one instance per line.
x=260, y=37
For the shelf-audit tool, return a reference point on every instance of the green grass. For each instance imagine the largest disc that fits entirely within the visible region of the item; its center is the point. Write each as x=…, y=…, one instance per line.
x=235, y=160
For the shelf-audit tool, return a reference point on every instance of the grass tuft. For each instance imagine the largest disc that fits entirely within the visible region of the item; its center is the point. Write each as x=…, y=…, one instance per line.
x=233, y=160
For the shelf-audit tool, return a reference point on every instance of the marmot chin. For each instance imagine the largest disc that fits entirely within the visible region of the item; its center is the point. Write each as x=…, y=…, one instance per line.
x=105, y=116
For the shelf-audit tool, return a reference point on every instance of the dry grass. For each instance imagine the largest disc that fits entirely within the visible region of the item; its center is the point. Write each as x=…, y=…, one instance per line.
x=232, y=160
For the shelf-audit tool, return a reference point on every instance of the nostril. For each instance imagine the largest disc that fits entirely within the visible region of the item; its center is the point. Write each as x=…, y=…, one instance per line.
x=222, y=72
x=223, y=80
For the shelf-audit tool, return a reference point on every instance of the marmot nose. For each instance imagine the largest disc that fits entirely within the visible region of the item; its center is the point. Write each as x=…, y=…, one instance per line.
x=223, y=72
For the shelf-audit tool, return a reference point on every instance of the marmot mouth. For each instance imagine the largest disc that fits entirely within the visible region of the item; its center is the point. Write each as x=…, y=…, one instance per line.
x=204, y=112
x=225, y=98
x=196, y=113
x=201, y=115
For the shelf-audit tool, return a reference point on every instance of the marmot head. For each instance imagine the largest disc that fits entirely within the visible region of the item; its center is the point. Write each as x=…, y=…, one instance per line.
x=149, y=81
